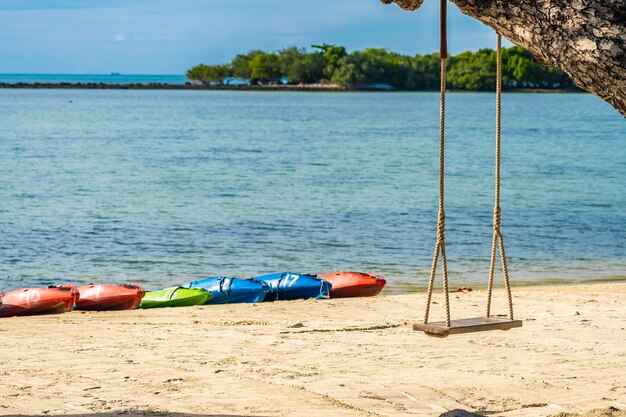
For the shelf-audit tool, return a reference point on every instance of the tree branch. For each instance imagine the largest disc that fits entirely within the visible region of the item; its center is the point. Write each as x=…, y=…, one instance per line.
x=584, y=38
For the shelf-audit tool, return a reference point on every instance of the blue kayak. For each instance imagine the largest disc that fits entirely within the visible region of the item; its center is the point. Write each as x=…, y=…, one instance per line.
x=290, y=286
x=226, y=290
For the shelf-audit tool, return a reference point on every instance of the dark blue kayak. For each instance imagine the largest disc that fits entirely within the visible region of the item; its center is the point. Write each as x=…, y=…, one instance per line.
x=226, y=290
x=290, y=286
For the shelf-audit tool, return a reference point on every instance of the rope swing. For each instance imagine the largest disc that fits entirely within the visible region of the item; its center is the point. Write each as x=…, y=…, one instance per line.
x=443, y=329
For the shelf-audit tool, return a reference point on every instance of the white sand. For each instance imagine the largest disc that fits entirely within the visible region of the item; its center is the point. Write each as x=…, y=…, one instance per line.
x=351, y=357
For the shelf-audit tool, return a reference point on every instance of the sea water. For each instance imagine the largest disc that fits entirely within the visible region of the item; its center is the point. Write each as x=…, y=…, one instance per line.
x=165, y=187
x=113, y=78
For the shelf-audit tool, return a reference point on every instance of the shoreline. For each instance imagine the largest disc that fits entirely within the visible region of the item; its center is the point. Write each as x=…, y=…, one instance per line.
x=393, y=287
x=341, y=357
x=266, y=88
x=408, y=288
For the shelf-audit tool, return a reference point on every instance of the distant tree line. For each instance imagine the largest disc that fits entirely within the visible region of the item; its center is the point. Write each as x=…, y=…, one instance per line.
x=376, y=67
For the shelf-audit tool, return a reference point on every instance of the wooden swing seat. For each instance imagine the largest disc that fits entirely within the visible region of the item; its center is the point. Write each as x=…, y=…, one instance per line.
x=470, y=325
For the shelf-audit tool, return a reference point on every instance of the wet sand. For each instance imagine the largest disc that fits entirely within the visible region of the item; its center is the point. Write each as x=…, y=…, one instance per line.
x=351, y=357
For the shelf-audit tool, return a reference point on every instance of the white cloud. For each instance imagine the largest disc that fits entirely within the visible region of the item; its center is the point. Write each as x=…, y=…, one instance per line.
x=120, y=37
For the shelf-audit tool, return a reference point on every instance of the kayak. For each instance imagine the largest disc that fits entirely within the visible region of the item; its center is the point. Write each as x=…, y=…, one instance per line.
x=175, y=297
x=34, y=301
x=103, y=297
x=354, y=284
x=226, y=290
x=290, y=286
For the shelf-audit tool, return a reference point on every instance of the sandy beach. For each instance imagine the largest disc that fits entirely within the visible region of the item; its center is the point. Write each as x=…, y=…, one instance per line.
x=350, y=357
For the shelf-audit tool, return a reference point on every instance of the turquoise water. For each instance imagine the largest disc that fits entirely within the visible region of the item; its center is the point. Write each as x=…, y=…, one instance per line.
x=164, y=187
x=92, y=78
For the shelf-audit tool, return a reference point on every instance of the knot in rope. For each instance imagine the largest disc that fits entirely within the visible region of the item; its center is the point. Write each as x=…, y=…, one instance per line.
x=497, y=219
x=441, y=225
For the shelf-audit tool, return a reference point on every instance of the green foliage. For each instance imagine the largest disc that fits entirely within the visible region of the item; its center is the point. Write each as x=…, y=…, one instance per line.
x=473, y=71
x=380, y=67
x=425, y=70
x=288, y=59
x=308, y=70
x=241, y=64
x=264, y=68
x=209, y=74
x=332, y=55
x=360, y=68
x=196, y=73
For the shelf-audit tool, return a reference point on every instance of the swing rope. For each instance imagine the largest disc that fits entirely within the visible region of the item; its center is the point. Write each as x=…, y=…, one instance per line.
x=498, y=240
x=440, y=246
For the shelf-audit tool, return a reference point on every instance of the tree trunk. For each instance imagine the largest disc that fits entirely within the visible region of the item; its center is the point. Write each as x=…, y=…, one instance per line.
x=584, y=38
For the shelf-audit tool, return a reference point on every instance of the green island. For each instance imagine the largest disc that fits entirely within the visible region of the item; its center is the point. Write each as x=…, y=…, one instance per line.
x=377, y=68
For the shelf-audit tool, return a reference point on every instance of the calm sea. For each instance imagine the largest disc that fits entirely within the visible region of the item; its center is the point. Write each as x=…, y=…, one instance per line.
x=163, y=187
x=92, y=78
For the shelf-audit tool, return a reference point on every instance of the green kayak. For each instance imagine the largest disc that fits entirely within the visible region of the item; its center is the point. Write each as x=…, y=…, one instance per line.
x=175, y=297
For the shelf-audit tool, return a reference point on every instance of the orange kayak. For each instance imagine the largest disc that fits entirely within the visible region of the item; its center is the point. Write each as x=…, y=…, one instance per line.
x=353, y=284
x=110, y=297
x=32, y=301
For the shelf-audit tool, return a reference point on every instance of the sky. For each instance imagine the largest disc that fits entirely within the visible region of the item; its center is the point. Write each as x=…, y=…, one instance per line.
x=170, y=36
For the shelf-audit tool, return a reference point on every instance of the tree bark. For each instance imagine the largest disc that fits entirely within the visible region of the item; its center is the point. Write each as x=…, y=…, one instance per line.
x=584, y=38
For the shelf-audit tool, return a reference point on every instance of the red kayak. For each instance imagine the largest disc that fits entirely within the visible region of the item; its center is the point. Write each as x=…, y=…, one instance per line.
x=110, y=297
x=32, y=301
x=353, y=284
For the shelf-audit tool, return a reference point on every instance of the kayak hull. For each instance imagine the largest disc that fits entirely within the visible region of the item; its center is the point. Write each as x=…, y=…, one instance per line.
x=354, y=284
x=106, y=297
x=175, y=297
x=37, y=301
x=226, y=290
x=290, y=286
